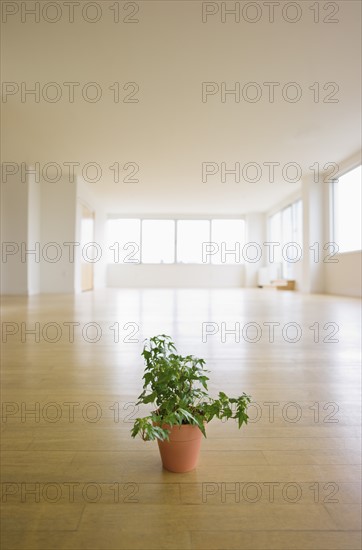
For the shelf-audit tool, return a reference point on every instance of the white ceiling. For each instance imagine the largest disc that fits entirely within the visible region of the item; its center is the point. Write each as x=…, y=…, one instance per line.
x=170, y=132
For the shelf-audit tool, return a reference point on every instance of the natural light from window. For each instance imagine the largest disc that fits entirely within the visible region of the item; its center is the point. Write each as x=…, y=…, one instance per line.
x=158, y=241
x=191, y=234
x=285, y=227
x=347, y=211
x=124, y=240
x=229, y=238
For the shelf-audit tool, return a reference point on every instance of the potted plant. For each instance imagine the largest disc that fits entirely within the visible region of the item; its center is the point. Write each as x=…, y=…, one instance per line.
x=177, y=386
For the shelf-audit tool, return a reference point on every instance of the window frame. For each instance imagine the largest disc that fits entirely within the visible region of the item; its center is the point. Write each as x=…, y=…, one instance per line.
x=175, y=220
x=177, y=262
x=141, y=240
x=332, y=212
x=294, y=229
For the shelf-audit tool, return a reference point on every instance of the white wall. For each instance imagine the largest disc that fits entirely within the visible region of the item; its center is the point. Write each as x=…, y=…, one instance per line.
x=14, y=229
x=41, y=216
x=86, y=197
x=255, y=232
x=179, y=275
x=33, y=234
x=297, y=267
x=313, y=274
x=314, y=211
x=46, y=212
x=175, y=275
x=344, y=278
x=58, y=211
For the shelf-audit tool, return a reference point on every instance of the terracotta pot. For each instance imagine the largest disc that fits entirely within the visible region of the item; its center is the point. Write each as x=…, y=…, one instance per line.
x=181, y=453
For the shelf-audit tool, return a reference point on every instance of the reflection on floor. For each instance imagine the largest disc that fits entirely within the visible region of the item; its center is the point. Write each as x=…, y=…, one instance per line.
x=72, y=477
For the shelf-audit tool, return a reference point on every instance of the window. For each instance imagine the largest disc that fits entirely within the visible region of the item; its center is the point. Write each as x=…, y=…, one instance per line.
x=87, y=231
x=275, y=232
x=217, y=241
x=191, y=234
x=124, y=241
x=346, y=193
x=89, y=253
x=287, y=237
x=158, y=241
x=285, y=228
x=228, y=237
x=297, y=229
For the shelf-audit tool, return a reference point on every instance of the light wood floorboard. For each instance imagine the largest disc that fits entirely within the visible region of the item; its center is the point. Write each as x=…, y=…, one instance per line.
x=73, y=478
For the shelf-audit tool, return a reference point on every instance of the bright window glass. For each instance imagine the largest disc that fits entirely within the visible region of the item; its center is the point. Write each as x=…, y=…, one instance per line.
x=191, y=234
x=286, y=227
x=86, y=237
x=158, y=241
x=287, y=237
x=275, y=230
x=87, y=230
x=347, y=211
x=124, y=240
x=297, y=213
x=228, y=238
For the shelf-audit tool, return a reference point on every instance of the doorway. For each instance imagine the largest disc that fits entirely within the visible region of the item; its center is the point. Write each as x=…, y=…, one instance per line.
x=86, y=236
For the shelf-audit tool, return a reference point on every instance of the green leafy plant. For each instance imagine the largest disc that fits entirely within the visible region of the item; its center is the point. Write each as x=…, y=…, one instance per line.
x=177, y=386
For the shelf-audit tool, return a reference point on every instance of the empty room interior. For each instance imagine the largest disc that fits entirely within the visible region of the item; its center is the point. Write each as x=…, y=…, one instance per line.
x=181, y=275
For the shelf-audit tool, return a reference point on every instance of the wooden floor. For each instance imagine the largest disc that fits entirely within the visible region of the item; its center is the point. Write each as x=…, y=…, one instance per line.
x=73, y=478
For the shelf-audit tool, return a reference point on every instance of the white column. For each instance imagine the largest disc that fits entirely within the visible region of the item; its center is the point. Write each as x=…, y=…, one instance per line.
x=33, y=235
x=255, y=233
x=14, y=229
x=58, y=221
x=314, y=197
